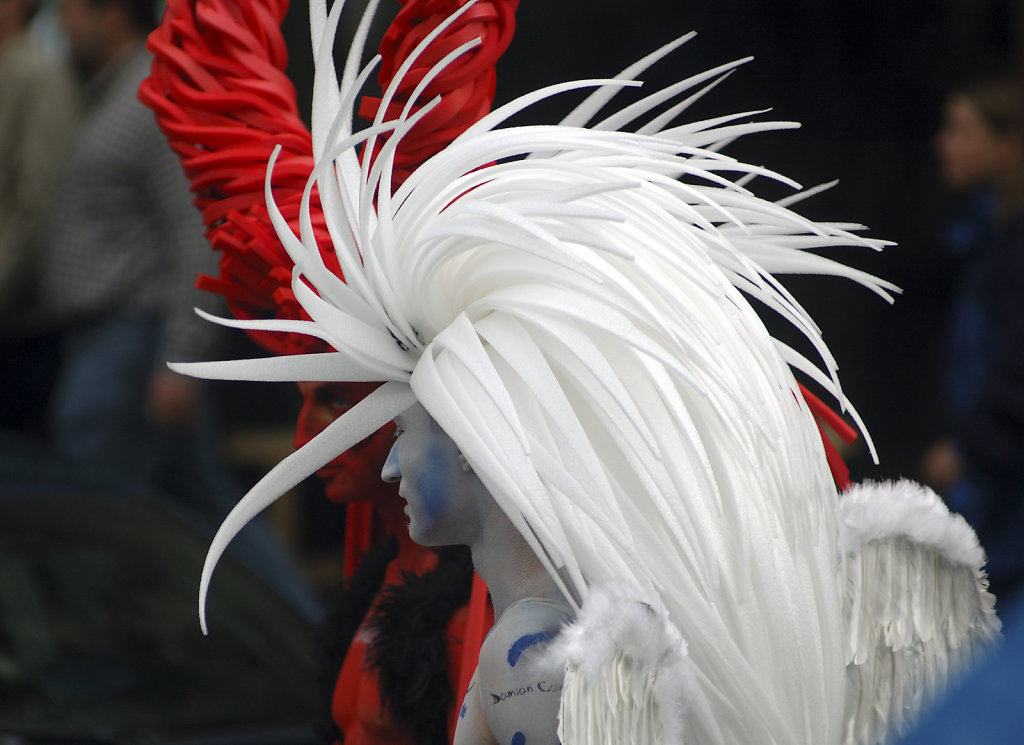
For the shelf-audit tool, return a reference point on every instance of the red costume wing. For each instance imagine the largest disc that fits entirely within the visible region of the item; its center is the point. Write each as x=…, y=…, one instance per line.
x=221, y=96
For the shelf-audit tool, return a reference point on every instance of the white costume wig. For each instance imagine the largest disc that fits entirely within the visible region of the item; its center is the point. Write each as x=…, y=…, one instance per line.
x=572, y=304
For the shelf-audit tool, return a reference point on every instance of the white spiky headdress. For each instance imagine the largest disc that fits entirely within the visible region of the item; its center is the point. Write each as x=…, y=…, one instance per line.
x=570, y=303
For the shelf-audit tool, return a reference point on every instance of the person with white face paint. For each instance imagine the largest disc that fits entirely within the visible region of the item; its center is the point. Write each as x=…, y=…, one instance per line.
x=570, y=310
x=447, y=504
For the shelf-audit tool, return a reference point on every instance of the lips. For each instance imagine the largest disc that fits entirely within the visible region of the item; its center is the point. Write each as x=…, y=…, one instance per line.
x=405, y=499
x=329, y=470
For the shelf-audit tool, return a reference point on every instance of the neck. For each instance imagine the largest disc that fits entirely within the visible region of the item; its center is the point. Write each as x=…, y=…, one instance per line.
x=509, y=567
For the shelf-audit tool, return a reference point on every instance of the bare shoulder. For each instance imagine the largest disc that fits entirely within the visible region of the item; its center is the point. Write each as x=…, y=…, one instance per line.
x=518, y=697
x=521, y=634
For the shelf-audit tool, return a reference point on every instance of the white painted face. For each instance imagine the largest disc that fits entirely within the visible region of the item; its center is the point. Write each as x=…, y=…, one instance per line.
x=445, y=501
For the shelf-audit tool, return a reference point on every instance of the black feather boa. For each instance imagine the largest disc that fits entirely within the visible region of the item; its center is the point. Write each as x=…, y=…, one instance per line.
x=410, y=650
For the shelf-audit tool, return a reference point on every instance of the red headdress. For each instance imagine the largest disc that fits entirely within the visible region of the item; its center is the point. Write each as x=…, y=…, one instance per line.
x=220, y=93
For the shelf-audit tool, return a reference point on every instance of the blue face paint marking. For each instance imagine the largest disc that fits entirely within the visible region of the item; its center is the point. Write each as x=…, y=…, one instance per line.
x=518, y=739
x=433, y=486
x=523, y=643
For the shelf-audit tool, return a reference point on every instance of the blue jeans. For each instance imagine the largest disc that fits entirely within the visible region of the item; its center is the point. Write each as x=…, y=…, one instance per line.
x=98, y=417
x=97, y=405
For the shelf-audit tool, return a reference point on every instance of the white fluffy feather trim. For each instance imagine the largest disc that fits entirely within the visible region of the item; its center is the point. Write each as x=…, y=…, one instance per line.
x=626, y=671
x=885, y=510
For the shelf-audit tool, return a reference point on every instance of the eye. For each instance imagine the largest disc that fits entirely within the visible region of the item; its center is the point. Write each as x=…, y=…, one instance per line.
x=399, y=429
x=340, y=405
x=333, y=401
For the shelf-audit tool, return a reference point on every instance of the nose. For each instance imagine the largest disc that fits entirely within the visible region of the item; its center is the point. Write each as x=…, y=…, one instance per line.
x=391, y=473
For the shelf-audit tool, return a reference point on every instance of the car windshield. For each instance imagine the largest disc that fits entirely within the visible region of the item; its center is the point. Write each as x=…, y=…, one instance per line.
x=99, y=633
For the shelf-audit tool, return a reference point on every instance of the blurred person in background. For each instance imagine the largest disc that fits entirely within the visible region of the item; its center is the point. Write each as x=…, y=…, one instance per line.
x=38, y=113
x=979, y=467
x=124, y=248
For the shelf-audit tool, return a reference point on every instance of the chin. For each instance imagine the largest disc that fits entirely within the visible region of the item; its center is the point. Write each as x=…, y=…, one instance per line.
x=417, y=535
x=422, y=536
x=338, y=488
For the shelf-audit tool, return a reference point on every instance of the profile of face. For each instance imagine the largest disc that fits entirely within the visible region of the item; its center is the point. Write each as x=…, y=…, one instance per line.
x=353, y=476
x=446, y=502
x=971, y=153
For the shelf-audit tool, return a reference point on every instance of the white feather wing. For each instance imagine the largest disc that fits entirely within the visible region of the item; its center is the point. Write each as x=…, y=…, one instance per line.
x=627, y=675
x=917, y=609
